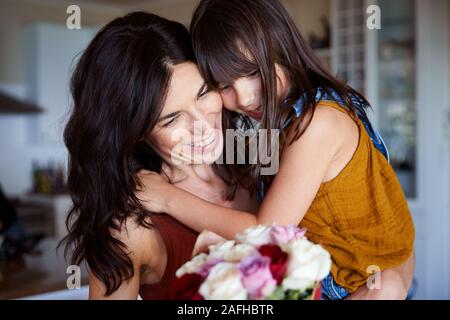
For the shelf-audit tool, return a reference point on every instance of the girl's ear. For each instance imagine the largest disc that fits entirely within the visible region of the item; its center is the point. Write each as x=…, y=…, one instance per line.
x=283, y=80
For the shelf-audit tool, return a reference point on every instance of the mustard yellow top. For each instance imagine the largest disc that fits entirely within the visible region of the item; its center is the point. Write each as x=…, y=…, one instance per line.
x=361, y=217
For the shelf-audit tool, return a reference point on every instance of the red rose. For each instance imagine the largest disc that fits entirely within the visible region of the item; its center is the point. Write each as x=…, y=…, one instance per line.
x=186, y=287
x=317, y=293
x=278, y=260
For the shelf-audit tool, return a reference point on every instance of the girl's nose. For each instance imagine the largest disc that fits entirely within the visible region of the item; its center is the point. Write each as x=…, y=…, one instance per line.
x=245, y=96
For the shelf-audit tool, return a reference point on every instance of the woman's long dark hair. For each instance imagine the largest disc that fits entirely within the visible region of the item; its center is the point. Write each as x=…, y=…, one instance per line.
x=118, y=88
x=234, y=38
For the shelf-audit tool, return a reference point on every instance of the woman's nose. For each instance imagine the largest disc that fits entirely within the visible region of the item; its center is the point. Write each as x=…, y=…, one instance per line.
x=200, y=123
x=198, y=114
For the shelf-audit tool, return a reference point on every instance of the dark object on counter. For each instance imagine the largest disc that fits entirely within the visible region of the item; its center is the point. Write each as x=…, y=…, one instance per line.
x=49, y=179
x=12, y=105
x=321, y=42
x=15, y=241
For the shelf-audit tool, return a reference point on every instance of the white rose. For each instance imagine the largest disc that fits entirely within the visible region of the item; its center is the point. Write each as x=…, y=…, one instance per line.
x=255, y=236
x=219, y=250
x=307, y=264
x=193, y=265
x=223, y=283
x=238, y=252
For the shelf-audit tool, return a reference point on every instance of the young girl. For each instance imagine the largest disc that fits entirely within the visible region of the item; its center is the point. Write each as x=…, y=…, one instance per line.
x=334, y=177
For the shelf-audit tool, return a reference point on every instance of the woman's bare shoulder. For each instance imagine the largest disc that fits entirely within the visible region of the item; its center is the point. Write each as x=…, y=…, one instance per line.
x=145, y=248
x=143, y=242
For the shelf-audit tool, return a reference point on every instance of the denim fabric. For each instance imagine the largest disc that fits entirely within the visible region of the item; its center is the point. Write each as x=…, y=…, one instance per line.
x=331, y=290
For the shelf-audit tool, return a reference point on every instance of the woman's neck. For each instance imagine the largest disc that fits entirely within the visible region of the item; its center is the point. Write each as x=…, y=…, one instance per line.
x=200, y=180
x=177, y=174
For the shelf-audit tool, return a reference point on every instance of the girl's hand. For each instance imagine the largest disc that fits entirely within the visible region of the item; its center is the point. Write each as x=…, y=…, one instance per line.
x=154, y=191
x=206, y=239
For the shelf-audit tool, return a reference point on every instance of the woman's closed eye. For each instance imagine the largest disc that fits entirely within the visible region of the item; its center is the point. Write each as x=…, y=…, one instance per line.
x=204, y=92
x=170, y=121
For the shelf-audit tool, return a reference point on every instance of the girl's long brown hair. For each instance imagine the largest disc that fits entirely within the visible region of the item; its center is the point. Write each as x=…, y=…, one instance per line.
x=234, y=38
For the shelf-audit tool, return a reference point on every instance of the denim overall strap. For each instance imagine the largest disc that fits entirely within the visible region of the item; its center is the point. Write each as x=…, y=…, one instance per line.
x=322, y=95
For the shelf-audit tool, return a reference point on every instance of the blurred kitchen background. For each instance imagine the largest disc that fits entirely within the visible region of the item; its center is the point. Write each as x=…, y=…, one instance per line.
x=403, y=69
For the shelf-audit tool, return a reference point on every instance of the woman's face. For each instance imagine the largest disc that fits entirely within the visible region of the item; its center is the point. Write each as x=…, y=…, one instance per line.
x=189, y=130
x=244, y=95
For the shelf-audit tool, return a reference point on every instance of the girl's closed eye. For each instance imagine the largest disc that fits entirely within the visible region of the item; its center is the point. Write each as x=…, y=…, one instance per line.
x=224, y=87
x=253, y=74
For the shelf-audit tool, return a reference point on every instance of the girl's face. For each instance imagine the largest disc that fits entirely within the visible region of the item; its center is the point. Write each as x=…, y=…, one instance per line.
x=189, y=130
x=244, y=95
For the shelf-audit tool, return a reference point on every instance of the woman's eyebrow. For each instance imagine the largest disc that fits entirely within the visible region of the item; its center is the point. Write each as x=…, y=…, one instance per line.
x=201, y=89
x=172, y=114
x=167, y=116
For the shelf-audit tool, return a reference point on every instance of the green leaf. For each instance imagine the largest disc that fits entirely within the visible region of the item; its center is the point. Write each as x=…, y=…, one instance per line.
x=277, y=294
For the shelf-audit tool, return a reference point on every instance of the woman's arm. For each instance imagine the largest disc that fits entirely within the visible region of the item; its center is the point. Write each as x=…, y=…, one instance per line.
x=127, y=291
x=287, y=200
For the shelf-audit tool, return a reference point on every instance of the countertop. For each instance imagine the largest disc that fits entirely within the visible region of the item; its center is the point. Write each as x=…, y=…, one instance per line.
x=40, y=272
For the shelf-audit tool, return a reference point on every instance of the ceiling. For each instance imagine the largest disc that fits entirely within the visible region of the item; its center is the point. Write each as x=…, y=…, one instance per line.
x=127, y=3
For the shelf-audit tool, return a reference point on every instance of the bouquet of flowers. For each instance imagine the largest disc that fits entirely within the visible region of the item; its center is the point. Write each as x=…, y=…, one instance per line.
x=264, y=262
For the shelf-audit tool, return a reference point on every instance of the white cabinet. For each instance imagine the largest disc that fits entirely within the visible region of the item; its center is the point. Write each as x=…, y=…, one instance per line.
x=52, y=52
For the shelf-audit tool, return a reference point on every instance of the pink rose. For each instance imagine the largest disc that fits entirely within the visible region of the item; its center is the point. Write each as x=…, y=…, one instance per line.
x=256, y=276
x=286, y=234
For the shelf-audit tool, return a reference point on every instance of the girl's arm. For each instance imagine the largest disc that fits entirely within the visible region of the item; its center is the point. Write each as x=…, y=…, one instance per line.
x=302, y=170
x=202, y=215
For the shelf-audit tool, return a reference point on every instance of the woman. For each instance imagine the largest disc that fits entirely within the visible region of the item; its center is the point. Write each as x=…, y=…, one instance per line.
x=334, y=178
x=137, y=93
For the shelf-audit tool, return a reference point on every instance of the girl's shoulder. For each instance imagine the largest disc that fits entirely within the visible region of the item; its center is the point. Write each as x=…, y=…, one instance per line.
x=327, y=120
